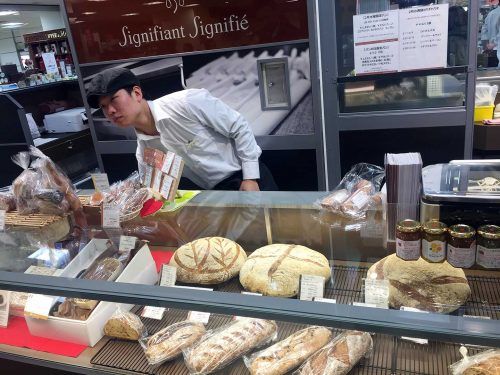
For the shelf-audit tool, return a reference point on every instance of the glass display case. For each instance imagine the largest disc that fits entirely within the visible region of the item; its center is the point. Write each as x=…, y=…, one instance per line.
x=267, y=255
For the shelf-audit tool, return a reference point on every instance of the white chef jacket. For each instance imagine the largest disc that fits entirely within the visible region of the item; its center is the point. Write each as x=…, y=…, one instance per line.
x=214, y=140
x=490, y=29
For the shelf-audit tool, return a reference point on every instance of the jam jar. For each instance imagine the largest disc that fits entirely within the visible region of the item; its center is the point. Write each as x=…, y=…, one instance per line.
x=461, y=246
x=408, y=239
x=434, y=241
x=488, y=246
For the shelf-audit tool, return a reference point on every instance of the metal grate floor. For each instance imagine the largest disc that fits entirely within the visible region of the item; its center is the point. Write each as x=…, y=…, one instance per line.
x=391, y=355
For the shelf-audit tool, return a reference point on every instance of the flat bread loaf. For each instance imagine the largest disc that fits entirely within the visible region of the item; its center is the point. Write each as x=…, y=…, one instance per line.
x=435, y=287
x=275, y=270
x=210, y=260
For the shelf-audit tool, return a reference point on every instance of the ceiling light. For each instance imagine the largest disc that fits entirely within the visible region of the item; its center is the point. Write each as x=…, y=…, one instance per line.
x=9, y=13
x=153, y=3
x=88, y=13
x=130, y=14
x=12, y=25
x=78, y=21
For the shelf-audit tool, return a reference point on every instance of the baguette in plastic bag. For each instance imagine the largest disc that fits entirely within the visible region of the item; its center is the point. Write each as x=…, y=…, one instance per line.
x=484, y=363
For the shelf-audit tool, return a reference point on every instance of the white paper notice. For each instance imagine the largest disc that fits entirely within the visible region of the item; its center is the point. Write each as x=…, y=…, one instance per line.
x=377, y=293
x=167, y=162
x=4, y=307
x=167, y=186
x=110, y=216
x=414, y=339
x=2, y=220
x=252, y=294
x=423, y=42
x=153, y=312
x=101, y=181
x=325, y=300
x=168, y=275
x=198, y=316
x=176, y=167
x=362, y=304
x=157, y=180
x=127, y=243
x=38, y=306
x=311, y=287
x=50, y=62
x=376, y=42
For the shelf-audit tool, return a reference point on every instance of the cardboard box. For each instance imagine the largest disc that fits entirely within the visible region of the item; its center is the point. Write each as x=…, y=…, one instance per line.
x=140, y=270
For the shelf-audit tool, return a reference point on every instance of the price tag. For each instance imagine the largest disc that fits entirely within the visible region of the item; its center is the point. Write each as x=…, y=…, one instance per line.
x=153, y=312
x=325, y=300
x=4, y=307
x=38, y=306
x=414, y=339
x=311, y=287
x=193, y=287
x=198, y=316
x=168, y=275
x=362, y=304
x=127, y=243
x=477, y=317
x=2, y=220
x=101, y=182
x=252, y=294
x=166, y=186
x=377, y=293
x=167, y=162
x=175, y=171
x=110, y=216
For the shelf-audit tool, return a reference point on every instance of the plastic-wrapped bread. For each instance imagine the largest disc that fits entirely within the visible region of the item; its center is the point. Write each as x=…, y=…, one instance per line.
x=223, y=346
x=124, y=325
x=290, y=353
x=484, y=363
x=169, y=343
x=339, y=356
x=7, y=201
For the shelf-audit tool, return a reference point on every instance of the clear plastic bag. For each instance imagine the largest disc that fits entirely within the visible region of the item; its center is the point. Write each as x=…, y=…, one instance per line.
x=339, y=356
x=357, y=192
x=7, y=201
x=169, y=342
x=221, y=347
x=486, y=94
x=289, y=353
x=484, y=363
x=125, y=325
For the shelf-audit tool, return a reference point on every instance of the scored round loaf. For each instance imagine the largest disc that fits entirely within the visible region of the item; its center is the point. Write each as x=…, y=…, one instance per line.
x=210, y=260
x=434, y=287
x=275, y=270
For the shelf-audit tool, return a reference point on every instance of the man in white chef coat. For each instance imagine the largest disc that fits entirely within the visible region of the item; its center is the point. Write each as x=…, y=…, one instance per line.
x=215, y=141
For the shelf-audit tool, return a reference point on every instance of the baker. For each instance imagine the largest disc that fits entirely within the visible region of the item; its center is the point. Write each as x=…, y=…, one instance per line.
x=215, y=141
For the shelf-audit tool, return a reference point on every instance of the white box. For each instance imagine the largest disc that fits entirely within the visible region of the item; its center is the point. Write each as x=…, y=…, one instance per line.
x=70, y=120
x=140, y=270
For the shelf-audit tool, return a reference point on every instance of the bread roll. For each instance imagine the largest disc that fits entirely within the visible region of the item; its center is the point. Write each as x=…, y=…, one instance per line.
x=289, y=353
x=124, y=325
x=435, y=287
x=168, y=343
x=210, y=260
x=274, y=270
x=223, y=347
x=339, y=356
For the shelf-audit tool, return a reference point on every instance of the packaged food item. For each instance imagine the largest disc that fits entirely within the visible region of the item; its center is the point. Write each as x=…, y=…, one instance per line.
x=169, y=342
x=434, y=287
x=484, y=363
x=461, y=246
x=221, y=347
x=339, y=356
x=69, y=310
x=290, y=353
x=488, y=246
x=210, y=260
x=408, y=239
x=275, y=270
x=124, y=325
x=7, y=201
x=434, y=241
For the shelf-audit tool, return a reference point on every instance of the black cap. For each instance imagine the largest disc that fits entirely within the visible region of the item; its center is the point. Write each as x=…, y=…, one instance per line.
x=108, y=82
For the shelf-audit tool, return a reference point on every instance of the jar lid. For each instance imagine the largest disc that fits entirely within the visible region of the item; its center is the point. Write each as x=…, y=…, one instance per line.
x=462, y=231
x=408, y=226
x=435, y=227
x=491, y=232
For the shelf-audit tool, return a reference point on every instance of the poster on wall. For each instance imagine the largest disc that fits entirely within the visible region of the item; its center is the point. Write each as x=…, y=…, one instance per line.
x=50, y=62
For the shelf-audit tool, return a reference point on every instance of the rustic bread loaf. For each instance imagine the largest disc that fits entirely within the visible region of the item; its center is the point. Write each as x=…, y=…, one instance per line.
x=435, y=287
x=274, y=270
x=339, y=356
x=124, y=325
x=168, y=343
x=220, y=349
x=210, y=260
x=488, y=366
x=285, y=355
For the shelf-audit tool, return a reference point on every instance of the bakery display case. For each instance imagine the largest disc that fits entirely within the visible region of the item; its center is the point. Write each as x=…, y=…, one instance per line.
x=267, y=267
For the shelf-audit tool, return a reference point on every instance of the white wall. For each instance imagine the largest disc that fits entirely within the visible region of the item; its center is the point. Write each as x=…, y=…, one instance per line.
x=51, y=20
x=8, y=53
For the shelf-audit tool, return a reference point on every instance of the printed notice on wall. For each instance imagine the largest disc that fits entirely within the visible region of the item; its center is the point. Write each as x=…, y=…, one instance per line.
x=50, y=63
x=423, y=37
x=376, y=46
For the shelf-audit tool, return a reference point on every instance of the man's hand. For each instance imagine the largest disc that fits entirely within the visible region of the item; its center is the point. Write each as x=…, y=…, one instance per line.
x=249, y=185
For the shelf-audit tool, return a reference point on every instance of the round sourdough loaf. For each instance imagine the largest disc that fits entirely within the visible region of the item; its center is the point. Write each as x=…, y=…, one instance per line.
x=274, y=270
x=210, y=260
x=435, y=287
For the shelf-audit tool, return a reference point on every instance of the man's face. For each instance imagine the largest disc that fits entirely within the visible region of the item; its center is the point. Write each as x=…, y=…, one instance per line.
x=122, y=108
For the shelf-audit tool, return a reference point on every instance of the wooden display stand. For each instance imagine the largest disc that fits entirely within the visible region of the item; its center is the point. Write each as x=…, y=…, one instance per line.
x=48, y=41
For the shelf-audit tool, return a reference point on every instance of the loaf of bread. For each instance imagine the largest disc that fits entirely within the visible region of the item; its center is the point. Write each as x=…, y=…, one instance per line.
x=290, y=353
x=124, y=325
x=339, y=356
x=484, y=363
x=275, y=270
x=210, y=260
x=169, y=343
x=219, y=349
x=434, y=287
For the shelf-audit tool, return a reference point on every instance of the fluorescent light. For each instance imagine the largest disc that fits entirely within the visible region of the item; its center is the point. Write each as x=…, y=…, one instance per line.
x=9, y=13
x=130, y=14
x=88, y=13
x=12, y=25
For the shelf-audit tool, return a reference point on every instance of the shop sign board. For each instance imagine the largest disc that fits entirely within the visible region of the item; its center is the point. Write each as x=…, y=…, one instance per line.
x=118, y=30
